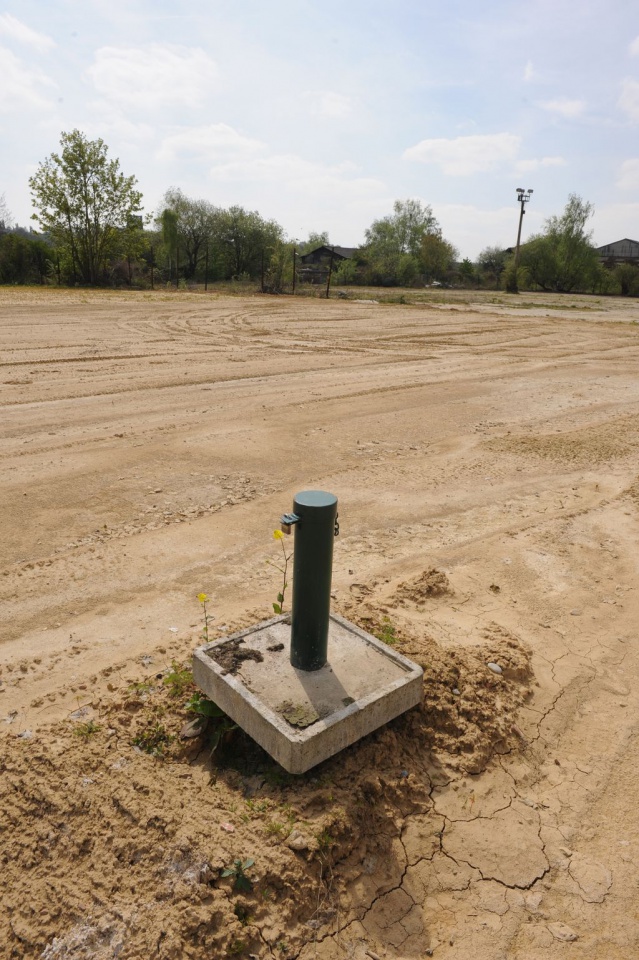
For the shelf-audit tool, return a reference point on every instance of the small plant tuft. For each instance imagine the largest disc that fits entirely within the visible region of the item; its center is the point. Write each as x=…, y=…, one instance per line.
x=153, y=740
x=236, y=947
x=86, y=730
x=238, y=870
x=325, y=841
x=179, y=680
x=387, y=632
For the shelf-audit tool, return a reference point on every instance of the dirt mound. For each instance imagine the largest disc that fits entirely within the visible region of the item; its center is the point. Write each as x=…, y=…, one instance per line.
x=468, y=710
x=431, y=583
x=115, y=832
x=587, y=445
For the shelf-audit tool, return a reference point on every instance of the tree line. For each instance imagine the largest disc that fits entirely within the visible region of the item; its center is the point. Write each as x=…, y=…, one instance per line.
x=92, y=231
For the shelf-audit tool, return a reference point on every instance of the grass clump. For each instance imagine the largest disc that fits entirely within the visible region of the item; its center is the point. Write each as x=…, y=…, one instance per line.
x=154, y=740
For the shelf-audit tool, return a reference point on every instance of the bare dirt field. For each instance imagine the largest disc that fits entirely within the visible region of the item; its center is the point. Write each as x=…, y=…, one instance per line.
x=485, y=452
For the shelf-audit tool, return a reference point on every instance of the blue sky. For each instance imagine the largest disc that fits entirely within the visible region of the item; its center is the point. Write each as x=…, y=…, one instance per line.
x=321, y=114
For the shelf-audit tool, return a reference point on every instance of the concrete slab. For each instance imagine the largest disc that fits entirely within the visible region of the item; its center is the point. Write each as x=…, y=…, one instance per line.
x=301, y=718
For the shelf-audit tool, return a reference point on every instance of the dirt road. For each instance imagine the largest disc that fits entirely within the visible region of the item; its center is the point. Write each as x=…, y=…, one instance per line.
x=485, y=452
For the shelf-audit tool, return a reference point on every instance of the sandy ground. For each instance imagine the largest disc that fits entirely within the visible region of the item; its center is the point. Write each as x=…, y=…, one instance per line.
x=485, y=452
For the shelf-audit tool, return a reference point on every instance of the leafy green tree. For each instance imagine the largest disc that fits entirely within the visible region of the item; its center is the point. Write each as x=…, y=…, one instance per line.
x=84, y=203
x=168, y=221
x=314, y=241
x=393, y=244
x=278, y=272
x=437, y=256
x=196, y=223
x=491, y=263
x=346, y=271
x=24, y=259
x=562, y=258
x=627, y=276
x=243, y=238
x=467, y=272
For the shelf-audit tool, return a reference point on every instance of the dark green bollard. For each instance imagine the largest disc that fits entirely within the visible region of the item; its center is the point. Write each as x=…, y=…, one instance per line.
x=314, y=517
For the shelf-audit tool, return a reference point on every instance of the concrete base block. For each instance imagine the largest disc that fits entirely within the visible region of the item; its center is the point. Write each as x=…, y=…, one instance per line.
x=301, y=718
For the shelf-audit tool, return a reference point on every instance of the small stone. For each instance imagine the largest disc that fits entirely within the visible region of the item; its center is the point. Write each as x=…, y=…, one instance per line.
x=456, y=691
x=297, y=841
x=561, y=931
x=494, y=667
x=192, y=728
x=576, y=612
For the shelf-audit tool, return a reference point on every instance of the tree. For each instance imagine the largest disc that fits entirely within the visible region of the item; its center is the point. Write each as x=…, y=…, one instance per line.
x=314, y=241
x=244, y=239
x=437, y=256
x=393, y=246
x=562, y=258
x=24, y=258
x=196, y=222
x=467, y=272
x=491, y=263
x=5, y=216
x=627, y=275
x=85, y=203
x=168, y=220
x=403, y=230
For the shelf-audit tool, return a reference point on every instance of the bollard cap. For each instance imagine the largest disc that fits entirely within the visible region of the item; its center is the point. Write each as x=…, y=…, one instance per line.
x=315, y=505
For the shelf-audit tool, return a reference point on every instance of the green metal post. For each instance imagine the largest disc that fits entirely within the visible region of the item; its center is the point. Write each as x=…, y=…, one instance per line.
x=314, y=518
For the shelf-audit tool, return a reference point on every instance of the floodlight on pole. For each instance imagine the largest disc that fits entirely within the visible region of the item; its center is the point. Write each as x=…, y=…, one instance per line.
x=523, y=196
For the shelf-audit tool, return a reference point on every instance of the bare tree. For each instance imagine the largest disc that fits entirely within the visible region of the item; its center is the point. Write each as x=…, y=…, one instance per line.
x=5, y=217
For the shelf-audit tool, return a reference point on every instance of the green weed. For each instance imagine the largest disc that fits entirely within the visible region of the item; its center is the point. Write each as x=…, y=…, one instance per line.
x=153, y=740
x=179, y=680
x=86, y=730
x=387, y=632
x=241, y=882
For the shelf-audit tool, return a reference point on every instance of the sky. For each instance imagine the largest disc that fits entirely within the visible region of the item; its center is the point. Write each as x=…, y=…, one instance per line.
x=320, y=114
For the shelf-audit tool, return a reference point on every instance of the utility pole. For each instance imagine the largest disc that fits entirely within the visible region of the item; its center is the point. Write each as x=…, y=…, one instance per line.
x=294, y=256
x=523, y=196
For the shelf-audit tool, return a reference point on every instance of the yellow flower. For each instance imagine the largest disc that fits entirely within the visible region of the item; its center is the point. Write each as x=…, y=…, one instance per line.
x=278, y=535
x=202, y=597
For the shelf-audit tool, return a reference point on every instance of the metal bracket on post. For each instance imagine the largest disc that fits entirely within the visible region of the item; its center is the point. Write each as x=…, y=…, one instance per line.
x=315, y=520
x=287, y=520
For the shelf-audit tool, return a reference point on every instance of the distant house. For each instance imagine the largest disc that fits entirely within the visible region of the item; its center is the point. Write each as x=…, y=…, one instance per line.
x=313, y=266
x=621, y=251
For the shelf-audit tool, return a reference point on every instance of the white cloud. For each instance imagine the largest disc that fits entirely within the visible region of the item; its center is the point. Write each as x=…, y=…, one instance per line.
x=615, y=221
x=21, y=86
x=333, y=106
x=629, y=99
x=529, y=73
x=564, y=107
x=629, y=175
x=15, y=29
x=214, y=142
x=154, y=76
x=288, y=168
x=527, y=166
x=465, y=155
x=472, y=228
x=634, y=47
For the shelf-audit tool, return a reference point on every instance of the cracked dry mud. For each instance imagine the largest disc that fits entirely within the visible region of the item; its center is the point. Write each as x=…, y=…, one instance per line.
x=485, y=451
